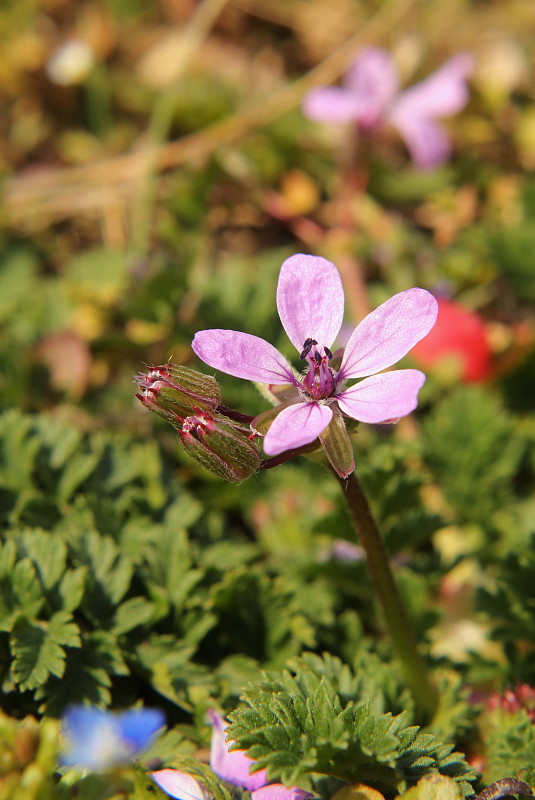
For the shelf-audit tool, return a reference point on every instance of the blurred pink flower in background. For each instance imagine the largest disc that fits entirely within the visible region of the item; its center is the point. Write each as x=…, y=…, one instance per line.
x=458, y=334
x=512, y=700
x=370, y=95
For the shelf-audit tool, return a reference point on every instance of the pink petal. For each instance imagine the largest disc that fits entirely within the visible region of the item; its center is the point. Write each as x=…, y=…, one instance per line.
x=232, y=766
x=441, y=94
x=277, y=791
x=427, y=141
x=388, y=333
x=383, y=397
x=296, y=426
x=310, y=300
x=243, y=356
x=331, y=105
x=179, y=784
x=373, y=81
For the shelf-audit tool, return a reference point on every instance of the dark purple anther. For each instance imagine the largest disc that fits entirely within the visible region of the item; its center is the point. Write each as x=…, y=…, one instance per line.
x=307, y=346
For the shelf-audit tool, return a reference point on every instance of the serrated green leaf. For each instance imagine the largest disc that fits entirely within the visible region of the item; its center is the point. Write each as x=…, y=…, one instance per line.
x=64, y=441
x=344, y=739
x=78, y=470
x=132, y=613
x=38, y=649
x=87, y=675
x=48, y=554
x=71, y=588
x=528, y=776
x=63, y=630
x=109, y=574
x=510, y=744
x=18, y=450
x=20, y=594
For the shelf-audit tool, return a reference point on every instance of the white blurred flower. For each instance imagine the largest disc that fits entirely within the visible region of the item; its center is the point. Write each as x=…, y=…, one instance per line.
x=71, y=63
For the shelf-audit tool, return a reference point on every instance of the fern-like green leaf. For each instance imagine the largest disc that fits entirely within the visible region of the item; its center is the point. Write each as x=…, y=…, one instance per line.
x=297, y=722
x=39, y=649
x=20, y=591
x=510, y=745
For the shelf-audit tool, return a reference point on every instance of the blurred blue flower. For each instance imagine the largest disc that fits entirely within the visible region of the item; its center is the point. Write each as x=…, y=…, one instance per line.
x=98, y=740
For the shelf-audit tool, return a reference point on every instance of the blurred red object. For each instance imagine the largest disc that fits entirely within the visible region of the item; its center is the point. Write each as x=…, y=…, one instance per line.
x=521, y=698
x=458, y=334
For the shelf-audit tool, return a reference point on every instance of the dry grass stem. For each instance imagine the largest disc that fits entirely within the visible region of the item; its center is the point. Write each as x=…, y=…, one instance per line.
x=34, y=200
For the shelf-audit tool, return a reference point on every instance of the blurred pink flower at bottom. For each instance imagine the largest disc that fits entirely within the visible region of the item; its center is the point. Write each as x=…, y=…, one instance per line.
x=232, y=766
x=235, y=765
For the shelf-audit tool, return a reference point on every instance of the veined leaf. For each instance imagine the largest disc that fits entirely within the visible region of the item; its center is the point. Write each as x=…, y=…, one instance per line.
x=297, y=722
x=20, y=594
x=131, y=613
x=48, y=554
x=39, y=651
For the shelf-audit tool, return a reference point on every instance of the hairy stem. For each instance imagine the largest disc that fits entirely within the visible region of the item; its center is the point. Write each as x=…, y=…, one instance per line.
x=288, y=455
x=403, y=638
x=237, y=416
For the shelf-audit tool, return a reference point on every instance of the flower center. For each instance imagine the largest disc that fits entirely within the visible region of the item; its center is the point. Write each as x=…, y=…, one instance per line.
x=319, y=382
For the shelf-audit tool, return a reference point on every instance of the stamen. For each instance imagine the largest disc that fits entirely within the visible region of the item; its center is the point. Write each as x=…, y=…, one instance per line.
x=307, y=346
x=319, y=382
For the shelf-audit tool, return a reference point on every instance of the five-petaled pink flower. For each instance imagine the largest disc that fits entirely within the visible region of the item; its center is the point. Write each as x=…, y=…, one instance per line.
x=233, y=766
x=370, y=96
x=310, y=301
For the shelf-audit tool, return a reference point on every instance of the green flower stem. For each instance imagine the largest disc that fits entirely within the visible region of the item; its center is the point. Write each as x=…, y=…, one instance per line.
x=403, y=639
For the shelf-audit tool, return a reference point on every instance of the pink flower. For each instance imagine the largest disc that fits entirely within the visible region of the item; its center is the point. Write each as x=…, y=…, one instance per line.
x=180, y=785
x=371, y=97
x=310, y=301
x=233, y=766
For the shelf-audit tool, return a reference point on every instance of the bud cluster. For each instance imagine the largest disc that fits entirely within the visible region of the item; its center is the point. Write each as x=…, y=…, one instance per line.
x=221, y=446
x=174, y=392
x=189, y=400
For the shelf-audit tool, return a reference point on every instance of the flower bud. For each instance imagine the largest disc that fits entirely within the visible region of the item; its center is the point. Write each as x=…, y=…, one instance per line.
x=220, y=446
x=338, y=447
x=178, y=392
